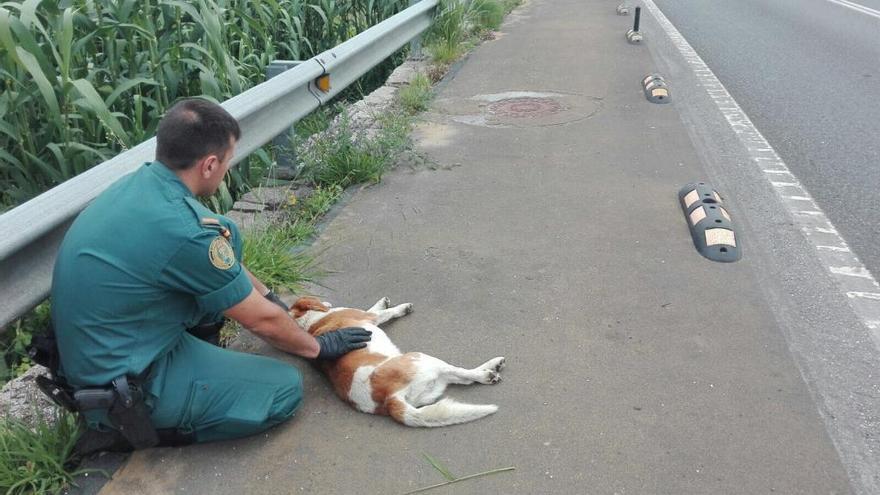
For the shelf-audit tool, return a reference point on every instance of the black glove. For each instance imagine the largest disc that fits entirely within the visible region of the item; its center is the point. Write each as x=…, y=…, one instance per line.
x=272, y=296
x=340, y=342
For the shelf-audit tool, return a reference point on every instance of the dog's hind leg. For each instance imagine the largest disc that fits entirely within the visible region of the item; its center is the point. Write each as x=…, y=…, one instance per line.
x=430, y=380
x=426, y=390
x=434, y=375
x=487, y=373
x=380, y=305
x=384, y=315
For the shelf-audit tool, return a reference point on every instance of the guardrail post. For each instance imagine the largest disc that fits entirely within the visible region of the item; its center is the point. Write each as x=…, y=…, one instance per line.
x=415, y=46
x=286, y=154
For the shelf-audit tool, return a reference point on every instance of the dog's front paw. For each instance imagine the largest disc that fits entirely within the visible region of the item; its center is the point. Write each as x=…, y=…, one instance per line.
x=407, y=308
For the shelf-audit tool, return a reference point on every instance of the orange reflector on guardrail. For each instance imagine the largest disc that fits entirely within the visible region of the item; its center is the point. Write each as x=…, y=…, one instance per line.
x=323, y=83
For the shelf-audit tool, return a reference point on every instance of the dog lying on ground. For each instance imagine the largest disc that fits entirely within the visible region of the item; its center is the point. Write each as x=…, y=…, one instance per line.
x=379, y=379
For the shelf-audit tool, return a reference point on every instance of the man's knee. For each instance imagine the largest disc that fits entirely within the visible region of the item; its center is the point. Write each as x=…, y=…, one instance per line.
x=289, y=396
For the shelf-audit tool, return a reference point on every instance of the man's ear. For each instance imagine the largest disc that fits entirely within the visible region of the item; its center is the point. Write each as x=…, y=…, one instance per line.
x=208, y=166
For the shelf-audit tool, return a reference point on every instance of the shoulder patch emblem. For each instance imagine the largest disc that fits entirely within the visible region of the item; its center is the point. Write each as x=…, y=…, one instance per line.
x=221, y=253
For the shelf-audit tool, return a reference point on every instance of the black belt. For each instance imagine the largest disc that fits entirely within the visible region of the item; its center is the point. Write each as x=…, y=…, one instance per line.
x=123, y=400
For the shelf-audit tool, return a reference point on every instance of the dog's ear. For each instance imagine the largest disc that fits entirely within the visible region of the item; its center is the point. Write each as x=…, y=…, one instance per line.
x=308, y=303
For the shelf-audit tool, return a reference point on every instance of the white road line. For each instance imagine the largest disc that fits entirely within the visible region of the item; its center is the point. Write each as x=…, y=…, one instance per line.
x=851, y=281
x=851, y=271
x=839, y=249
x=825, y=231
x=866, y=295
x=857, y=7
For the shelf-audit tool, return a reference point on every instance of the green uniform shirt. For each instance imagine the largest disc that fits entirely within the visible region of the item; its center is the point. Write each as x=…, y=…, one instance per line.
x=141, y=264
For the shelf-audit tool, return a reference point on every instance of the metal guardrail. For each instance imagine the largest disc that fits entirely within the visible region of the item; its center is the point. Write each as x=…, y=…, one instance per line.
x=34, y=230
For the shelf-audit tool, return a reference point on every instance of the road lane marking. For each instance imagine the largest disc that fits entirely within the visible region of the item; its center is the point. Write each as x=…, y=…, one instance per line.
x=762, y=153
x=838, y=249
x=852, y=271
x=867, y=295
x=857, y=7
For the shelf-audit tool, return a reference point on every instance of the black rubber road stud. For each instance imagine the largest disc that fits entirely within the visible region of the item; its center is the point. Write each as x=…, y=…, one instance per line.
x=711, y=227
x=633, y=35
x=656, y=89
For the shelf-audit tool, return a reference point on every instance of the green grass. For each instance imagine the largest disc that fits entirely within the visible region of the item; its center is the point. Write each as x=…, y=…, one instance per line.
x=416, y=96
x=321, y=200
x=509, y=5
x=488, y=14
x=445, y=53
x=315, y=122
x=269, y=256
x=33, y=460
x=451, y=478
x=394, y=137
x=459, y=25
x=338, y=158
x=17, y=337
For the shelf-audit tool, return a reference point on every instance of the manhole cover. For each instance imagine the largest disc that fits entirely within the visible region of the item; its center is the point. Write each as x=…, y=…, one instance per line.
x=525, y=107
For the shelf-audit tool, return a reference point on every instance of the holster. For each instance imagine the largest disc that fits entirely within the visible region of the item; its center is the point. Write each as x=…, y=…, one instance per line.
x=131, y=416
x=123, y=399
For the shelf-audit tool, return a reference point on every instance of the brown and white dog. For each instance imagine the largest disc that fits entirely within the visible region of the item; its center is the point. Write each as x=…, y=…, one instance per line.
x=379, y=379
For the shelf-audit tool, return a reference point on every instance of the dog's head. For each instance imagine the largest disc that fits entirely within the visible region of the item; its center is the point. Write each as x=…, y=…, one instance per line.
x=305, y=304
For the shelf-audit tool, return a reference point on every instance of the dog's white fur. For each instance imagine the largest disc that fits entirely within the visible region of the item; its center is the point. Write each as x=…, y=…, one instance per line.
x=379, y=379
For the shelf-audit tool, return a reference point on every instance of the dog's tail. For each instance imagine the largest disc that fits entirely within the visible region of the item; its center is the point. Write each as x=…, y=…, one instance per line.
x=441, y=413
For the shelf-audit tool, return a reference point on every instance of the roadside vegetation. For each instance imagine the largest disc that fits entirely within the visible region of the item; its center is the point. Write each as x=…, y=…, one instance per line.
x=34, y=460
x=415, y=97
x=82, y=80
x=53, y=126
x=461, y=24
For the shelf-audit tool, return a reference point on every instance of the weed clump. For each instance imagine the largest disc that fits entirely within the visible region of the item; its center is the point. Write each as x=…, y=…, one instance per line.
x=35, y=460
x=414, y=98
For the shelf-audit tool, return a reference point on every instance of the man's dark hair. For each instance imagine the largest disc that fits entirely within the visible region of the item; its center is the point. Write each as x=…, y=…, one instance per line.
x=192, y=129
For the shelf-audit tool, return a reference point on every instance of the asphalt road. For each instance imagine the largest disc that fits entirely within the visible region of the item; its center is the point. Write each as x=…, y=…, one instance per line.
x=807, y=72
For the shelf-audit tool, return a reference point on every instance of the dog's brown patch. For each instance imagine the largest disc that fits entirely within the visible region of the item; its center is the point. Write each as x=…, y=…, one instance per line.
x=341, y=319
x=306, y=304
x=389, y=378
x=341, y=372
x=396, y=409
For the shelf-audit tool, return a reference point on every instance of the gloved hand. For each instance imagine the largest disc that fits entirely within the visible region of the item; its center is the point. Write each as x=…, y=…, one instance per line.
x=340, y=342
x=272, y=296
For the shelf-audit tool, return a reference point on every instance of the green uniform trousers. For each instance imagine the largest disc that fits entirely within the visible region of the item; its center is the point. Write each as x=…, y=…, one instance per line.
x=219, y=394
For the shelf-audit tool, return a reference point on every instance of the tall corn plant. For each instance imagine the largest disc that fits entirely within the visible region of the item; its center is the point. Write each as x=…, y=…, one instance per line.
x=82, y=80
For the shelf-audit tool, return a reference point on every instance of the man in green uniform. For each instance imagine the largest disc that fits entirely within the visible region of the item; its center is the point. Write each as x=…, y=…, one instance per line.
x=145, y=262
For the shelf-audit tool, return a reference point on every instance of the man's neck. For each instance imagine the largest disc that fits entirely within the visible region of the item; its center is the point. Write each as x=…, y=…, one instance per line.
x=189, y=177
